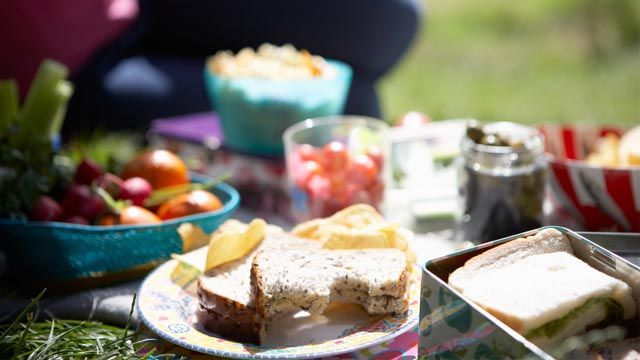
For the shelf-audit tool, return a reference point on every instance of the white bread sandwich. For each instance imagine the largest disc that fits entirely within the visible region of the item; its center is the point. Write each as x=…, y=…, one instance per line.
x=224, y=292
x=536, y=286
x=290, y=280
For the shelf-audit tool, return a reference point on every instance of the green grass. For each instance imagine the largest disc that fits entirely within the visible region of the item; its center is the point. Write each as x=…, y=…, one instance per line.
x=561, y=61
x=26, y=339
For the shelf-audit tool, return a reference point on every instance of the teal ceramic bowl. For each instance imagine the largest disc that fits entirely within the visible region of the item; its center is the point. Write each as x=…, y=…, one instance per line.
x=254, y=113
x=52, y=253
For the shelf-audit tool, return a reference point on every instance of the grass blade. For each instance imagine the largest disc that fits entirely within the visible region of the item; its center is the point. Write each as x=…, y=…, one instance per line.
x=73, y=339
x=52, y=340
x=22, y=314
x=126, y=328
x=20, y=343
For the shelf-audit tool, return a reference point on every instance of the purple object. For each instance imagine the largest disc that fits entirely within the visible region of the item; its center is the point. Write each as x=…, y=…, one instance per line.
x=201, y=128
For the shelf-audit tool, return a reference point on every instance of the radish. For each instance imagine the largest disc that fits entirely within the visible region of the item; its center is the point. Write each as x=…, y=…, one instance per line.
x=46, y=209
x=113, y=184
x=82, y=201
x=136, y=189
x=87, y=171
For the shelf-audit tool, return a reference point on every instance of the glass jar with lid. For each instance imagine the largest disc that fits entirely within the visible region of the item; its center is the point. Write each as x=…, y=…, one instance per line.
x=502, y=180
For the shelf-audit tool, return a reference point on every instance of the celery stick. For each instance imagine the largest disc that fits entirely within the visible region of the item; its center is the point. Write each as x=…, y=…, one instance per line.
x=42, y=101
x=56, y=105
x=65, y=90
x=8, y=103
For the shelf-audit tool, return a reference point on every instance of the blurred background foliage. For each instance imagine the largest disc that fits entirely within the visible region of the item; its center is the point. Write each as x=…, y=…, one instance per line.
x=536, y=61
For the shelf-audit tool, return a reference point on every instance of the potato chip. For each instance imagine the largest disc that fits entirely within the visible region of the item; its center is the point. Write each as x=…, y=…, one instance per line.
x=353, y=217
x=357, y=227
x=231, y=245
x=192, y=237
x=307, y=229
x=402, y=238
x=395, y=236
x=234, y=225
x=185, y=272
x=231, y=225
x=630, y=147
x=606, y=152
x=377, y=236
x=357, y=216
x=356, y=239
x=613, y=151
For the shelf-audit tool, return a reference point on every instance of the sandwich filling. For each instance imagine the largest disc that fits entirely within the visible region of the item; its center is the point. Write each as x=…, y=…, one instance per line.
x=598, y=312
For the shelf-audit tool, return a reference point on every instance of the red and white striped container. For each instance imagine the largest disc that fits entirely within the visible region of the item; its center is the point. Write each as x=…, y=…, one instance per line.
x=601, y=198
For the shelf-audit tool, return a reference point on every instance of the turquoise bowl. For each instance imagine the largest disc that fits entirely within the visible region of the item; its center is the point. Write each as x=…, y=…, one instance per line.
x=254, y=113
x=73, y=256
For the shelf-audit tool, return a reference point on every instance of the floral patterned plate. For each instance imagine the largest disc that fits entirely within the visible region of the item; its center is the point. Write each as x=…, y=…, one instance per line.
x=171, y=311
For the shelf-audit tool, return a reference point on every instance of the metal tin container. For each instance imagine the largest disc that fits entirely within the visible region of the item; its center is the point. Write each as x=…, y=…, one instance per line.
x=626, y=245
x=452, y=328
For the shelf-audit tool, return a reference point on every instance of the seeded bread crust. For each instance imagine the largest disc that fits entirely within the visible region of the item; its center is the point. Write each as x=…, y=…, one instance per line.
x=376, y=295
x=237, y=328
x=258, y=291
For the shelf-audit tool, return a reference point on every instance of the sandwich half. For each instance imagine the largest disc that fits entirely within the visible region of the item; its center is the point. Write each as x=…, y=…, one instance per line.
x=540, y=289
x=224, y=293
x=290, y=280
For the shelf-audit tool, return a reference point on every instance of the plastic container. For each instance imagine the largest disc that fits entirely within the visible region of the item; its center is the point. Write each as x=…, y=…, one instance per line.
x=335, y=162
x=70, y=256
x=255, y=112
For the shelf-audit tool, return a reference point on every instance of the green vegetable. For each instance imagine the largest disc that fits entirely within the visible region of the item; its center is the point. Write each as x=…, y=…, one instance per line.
x=49, y=91
x=65, y=90
x=26, y=154
x=8, y=104
x=612, y=309
x=109, y=149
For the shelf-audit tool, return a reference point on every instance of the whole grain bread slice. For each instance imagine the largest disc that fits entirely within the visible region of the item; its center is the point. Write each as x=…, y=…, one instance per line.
x=290, y=280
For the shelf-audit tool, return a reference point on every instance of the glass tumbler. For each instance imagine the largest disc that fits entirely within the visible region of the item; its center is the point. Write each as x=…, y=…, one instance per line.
x=333, y=162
